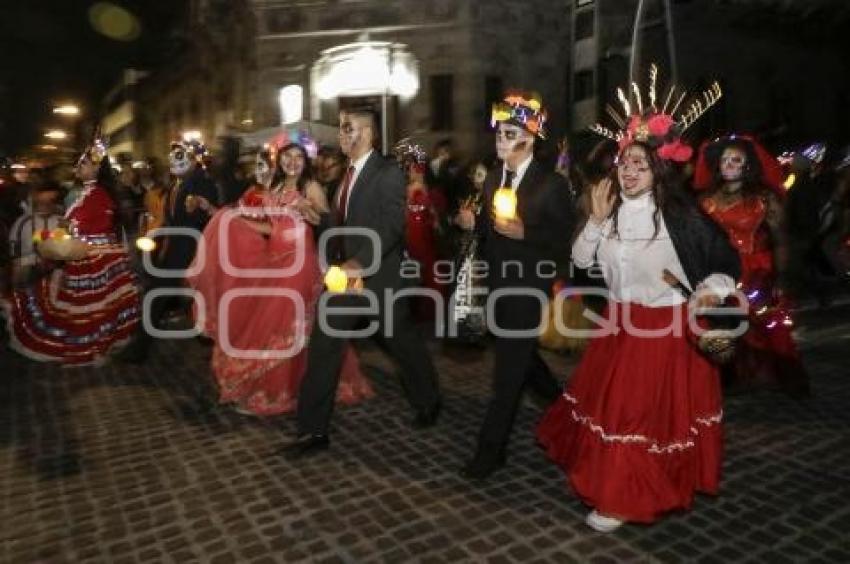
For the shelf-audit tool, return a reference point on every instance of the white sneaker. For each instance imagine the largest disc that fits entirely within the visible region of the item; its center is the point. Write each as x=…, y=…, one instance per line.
x=601, y=523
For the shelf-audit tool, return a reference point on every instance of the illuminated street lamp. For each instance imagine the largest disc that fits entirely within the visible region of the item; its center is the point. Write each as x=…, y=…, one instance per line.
x=291, y=100
x=69, y=110
x=56, y=134
x=192, y=135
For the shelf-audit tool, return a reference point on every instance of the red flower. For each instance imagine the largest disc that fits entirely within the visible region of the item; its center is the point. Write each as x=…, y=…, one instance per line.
x=45, y=234
x=676, y=151
x=660, y=124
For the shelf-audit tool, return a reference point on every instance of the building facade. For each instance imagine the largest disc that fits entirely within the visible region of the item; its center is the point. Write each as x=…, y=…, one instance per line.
x=431, y=69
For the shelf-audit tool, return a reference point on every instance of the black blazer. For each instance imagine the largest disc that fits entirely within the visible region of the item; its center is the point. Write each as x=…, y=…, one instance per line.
x=377, y=201
x=546, y=208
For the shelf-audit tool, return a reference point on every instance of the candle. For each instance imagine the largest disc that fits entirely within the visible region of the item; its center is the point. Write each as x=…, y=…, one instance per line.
x=504, y=203
x=145, y=244
x=336, y=280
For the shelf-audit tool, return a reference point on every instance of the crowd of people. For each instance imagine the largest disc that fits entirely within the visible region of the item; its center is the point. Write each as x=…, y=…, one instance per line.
x=247, y=255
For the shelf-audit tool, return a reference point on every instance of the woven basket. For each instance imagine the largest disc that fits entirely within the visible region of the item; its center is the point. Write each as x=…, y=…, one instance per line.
x=63, y=249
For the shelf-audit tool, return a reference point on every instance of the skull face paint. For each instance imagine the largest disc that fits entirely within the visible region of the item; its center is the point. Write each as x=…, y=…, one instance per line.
x=179, y=160
x=263, y=170
x=732, y=164
x=511, y=139
x=479, y=174
x=351, y=133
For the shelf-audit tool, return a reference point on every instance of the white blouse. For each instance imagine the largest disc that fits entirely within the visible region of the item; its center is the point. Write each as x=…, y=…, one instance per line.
x=633, y=262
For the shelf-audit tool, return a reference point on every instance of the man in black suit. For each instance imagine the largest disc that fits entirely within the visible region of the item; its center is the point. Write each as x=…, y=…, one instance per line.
x=522, y=254
x=372, y=197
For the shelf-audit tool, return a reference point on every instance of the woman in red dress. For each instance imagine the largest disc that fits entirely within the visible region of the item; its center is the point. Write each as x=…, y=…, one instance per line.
x=421, y=222
x=638, y=428
x=744, y=195
x=88, y=306
x=259, y=278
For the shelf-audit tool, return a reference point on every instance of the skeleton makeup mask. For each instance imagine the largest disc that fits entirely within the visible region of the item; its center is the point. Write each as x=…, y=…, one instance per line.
x=263, y=169
x=511, y=139
x=179, y=159
x=732, y=163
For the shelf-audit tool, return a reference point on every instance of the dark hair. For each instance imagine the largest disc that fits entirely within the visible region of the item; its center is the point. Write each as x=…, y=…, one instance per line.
x=752, y=178
x=443, y=143
x=328, y=151
x=306, y=174
x=666, y=185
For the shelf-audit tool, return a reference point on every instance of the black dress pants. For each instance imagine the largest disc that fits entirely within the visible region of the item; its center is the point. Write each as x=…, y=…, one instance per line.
x=401, y=339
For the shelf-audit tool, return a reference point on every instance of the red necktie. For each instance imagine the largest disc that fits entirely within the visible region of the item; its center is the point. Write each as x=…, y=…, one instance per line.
x=343, y=195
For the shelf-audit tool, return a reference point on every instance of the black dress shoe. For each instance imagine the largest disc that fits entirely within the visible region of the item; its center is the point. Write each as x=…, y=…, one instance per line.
x=426, y=418
x=306, y=445
x=480, y=467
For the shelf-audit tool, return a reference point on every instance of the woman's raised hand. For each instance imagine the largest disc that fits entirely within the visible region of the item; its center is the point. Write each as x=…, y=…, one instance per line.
x=601, y=201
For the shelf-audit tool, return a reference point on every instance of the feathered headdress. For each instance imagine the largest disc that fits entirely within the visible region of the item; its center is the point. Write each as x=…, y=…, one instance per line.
x=524, y=109
x=661, y=127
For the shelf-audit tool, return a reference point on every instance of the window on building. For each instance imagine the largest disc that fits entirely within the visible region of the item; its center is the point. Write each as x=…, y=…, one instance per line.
x=442, y=102
x=584, y=85
x=584, y=24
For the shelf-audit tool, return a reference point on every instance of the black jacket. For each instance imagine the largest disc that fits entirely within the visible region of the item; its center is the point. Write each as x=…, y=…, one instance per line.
x=377, y=202
x=546, y=208
x=702, y=246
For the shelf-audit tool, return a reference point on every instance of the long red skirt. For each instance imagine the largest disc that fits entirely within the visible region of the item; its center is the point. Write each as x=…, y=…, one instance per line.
x=638, y=428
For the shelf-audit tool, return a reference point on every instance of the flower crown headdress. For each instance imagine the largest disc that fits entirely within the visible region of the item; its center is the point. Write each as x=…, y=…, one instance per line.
x=406, y=149
x=97, y=150
x=522, y=109
x=661, y=128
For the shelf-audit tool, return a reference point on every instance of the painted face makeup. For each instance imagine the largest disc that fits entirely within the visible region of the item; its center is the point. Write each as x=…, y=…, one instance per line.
x=479, y=175
x=179, y=161
x=634, y=173
x=732, y=164
x=350, y=133
x=262, y=170
x=511, y=139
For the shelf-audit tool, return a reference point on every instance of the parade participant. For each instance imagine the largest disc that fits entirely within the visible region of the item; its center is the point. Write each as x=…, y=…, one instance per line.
x=266, y=231
x=46, y=215
x=330, y=166
x=371, y=199
x=638, y=428
x=421, y=221
x=564, y=316
x=743, y=194
x=89, y=305
x=522, y=248
x=188, y=204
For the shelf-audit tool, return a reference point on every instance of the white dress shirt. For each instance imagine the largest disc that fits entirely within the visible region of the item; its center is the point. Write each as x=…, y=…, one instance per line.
x=358, y=168
x=518, y=173
x=633, y=262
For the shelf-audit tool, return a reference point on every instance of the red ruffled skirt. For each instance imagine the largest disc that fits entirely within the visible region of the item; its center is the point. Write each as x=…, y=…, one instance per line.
x=638, y=428
x=79, y=313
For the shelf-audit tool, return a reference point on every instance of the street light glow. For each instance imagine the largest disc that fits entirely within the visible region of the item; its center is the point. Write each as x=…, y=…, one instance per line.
x=57, y=134
x=192, y=135
x=67, y=110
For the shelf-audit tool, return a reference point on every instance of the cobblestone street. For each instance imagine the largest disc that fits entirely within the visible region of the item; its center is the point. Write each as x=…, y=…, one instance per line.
x=126, y=464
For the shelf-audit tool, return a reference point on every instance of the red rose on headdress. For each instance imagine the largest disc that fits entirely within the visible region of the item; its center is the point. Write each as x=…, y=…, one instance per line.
x=675, y=151
x=659, y=125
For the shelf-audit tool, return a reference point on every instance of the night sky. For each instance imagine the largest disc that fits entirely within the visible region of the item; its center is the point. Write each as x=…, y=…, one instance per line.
x=49, y=52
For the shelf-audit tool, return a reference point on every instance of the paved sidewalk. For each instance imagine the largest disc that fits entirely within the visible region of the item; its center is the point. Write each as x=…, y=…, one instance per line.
x=124, y=464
